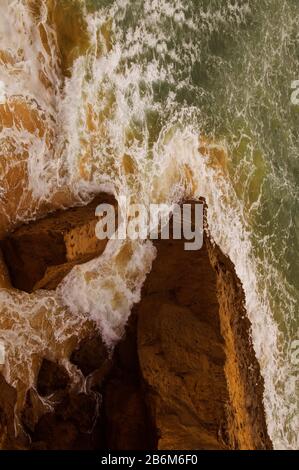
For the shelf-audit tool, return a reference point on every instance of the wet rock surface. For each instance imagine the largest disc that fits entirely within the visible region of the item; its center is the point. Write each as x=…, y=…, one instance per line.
x=40, y=254
x=201, y=377
x=90, y=355
x=127, y=419
x=184, y=376
x=51, y=377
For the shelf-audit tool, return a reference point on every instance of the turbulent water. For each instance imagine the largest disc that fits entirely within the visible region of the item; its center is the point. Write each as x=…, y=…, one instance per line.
x=156, y=100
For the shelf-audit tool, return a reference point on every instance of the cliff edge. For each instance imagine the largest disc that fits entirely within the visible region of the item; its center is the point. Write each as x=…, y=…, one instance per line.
x=184, y=376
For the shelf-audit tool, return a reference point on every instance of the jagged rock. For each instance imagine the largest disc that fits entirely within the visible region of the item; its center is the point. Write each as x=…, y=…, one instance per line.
x=90, y=355
x=51, y=377
x=82, y=409
x=53, y=433
x=181, y=350
x=33, y=410
x=246, y=415
x=40, y=254
x=127, y=423
x=8, y=398
x=4, y=276
x=71, y=425
x=184, y=376
x=8, y=438
x=195, y=352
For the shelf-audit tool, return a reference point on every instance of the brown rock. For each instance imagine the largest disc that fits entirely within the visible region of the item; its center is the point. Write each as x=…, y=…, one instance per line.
x=8, y=438
x=33, y=410
x=54, y=274
x=127, y=424
x=184, y=376
x=54, y=433
x=181, y=350
x=81, y=408
x=4, y=276
x=8, y=398
x=73, y=424
x=63, y=238
x=90, y=355
x=245, y=385
x=51, y=377
x=202, y=378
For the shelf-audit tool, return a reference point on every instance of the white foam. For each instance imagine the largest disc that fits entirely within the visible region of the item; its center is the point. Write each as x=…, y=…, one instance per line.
x=83, y=161
x=106, y=288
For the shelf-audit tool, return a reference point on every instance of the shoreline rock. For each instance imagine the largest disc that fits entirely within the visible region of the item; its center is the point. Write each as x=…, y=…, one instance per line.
x=203, y=380
x=184, y=376
x=40, y=254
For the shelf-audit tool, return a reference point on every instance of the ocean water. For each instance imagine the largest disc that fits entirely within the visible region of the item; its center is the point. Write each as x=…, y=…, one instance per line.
x=157, y=100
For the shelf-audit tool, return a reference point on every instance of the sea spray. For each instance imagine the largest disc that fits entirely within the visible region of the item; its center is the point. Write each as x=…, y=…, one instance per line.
x=161, y=101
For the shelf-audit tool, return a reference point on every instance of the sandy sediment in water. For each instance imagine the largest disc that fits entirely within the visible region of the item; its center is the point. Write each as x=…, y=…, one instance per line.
x=184, y=376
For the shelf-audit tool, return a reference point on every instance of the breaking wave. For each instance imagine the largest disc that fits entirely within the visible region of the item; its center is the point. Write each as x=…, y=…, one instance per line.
x=156, y=101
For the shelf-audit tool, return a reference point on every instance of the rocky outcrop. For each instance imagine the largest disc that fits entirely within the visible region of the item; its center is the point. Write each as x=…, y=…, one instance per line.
x=184, y=376
x=61, y=408
x=127, y=422
x=182, y=352
x=246, y=416
x=40, y=254
x=8, y=398
x=202, y=379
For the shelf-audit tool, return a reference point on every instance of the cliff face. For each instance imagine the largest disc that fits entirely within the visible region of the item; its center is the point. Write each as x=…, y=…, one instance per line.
x=201, y=376
x=40, y=254
x=183, y=377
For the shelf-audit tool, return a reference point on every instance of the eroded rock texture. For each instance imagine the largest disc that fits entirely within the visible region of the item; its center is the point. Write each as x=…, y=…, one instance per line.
x=39, y=255
x=202, y=379
x=183, y=377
